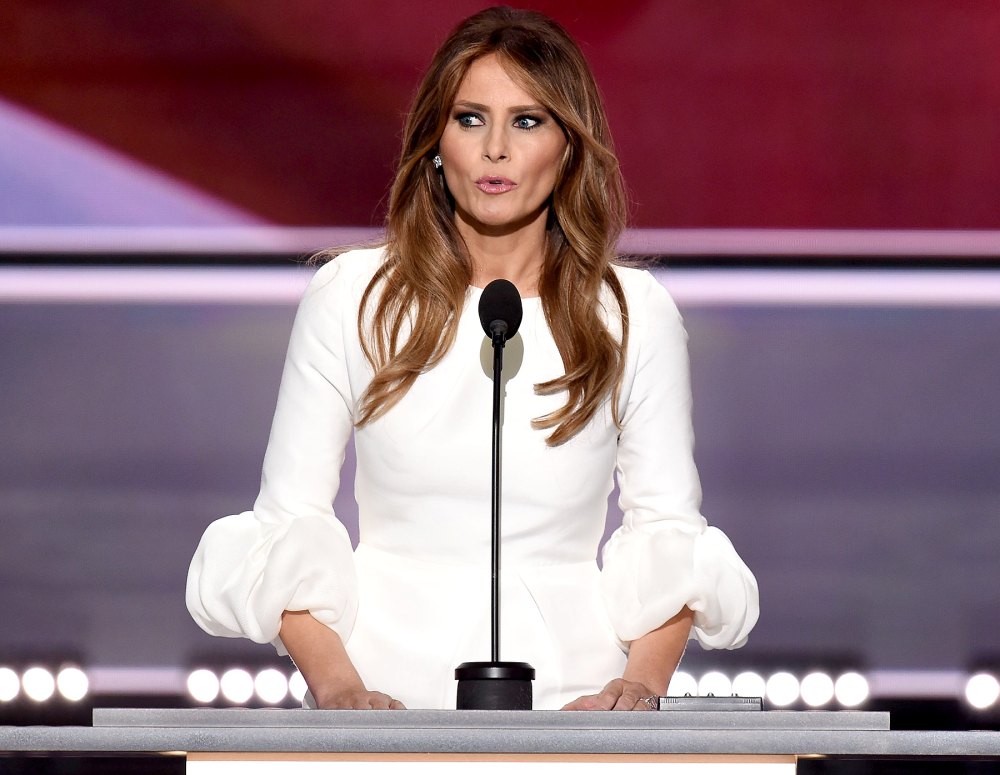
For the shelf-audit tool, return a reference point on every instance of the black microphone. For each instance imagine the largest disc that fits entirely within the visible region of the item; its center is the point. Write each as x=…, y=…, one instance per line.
x=500, y=311
x=496, y=685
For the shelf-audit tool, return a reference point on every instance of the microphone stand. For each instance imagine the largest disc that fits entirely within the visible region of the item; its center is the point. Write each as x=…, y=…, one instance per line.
x=495, y=486
x=495, y=685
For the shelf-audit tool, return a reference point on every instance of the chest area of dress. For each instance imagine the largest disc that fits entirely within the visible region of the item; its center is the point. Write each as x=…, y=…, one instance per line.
x=440, y=433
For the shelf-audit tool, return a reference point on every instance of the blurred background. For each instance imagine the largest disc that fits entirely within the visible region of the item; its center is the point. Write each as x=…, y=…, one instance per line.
x=817, y=183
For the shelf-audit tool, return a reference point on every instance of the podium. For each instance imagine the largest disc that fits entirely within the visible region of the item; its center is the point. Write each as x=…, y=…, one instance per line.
x=227, y=741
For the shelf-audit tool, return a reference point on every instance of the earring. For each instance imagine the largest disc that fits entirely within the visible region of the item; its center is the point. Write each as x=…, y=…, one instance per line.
x=437, y=162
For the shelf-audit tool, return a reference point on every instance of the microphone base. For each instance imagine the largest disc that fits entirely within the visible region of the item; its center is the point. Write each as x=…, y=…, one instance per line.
x=494, y=685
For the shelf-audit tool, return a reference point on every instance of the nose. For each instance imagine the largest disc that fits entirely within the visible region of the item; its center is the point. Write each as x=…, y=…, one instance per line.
x=495, y=144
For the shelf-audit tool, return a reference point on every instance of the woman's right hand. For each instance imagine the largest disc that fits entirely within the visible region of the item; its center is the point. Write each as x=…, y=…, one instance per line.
x=322, y=659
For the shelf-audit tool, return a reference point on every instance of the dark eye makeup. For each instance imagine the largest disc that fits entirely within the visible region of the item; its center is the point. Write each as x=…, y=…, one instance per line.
x=527, y=122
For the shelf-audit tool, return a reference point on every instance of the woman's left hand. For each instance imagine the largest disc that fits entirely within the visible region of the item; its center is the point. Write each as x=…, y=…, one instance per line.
x=619, y=694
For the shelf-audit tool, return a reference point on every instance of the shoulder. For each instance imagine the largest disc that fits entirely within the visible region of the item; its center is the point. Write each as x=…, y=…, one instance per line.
x=346, y=276
x=649, y=303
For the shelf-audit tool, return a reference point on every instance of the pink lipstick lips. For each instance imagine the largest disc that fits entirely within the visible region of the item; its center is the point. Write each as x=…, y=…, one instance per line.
x=495, y=184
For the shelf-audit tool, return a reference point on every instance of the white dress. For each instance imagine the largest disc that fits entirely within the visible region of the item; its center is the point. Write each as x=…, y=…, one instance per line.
x=412, y=602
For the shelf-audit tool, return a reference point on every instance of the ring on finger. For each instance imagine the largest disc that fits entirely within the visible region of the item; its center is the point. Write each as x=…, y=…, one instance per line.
x=652, y=702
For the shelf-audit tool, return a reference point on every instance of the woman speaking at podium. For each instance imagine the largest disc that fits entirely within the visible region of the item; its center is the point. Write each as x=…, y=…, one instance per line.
x=507, y=171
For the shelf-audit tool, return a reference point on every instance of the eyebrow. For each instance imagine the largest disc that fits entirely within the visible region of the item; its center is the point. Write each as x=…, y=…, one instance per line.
x=513, y=109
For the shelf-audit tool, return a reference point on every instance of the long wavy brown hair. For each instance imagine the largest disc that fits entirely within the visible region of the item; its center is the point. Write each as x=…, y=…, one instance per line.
x=410, y=310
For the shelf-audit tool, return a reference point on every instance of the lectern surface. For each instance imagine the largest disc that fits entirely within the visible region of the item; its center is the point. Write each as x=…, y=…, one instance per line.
x=487, y=719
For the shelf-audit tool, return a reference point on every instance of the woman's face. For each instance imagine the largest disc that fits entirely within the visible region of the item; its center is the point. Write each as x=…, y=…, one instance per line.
x=500, y=152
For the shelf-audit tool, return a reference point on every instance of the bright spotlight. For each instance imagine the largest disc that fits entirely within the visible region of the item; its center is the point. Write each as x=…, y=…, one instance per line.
x=851, y=689
x=203, y=685
x=72, y=683
x=10, y=684
x=749, y=685
x=38, y=684
x=236, y=685
x=982, y=691
x=271, y=686
x=681, y=684
x=297, y=686
x=715, y=683
x=817, y=689
x=782, y=689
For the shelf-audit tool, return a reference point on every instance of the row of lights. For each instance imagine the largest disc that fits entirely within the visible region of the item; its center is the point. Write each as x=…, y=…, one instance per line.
x=40, y=684
x=780, y=689
x=272, y=687
x=815, y=690
x=238, y=686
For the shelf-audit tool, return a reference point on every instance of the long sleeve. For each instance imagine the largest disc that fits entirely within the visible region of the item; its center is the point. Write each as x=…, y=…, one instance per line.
x=291, y=552
x=665, y=556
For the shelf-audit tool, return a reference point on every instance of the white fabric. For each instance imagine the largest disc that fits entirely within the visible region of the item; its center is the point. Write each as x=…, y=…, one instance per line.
x=413, y=601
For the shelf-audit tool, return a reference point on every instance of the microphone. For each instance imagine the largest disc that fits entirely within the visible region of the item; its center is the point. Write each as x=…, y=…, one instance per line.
x=500, y=311
x=496, y=685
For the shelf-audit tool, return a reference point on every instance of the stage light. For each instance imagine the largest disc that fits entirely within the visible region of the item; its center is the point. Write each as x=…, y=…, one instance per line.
x=38, y=684
x=682, y=683
x=72, y=683
x=817, y=689
x=236, y=685
x=782, y=689
x=982, y=691
x=851, y=689
x=749, y=685
x=271, y=686
x=715, y=683
x=10, y=684
x=297, y=686
x=203, y=685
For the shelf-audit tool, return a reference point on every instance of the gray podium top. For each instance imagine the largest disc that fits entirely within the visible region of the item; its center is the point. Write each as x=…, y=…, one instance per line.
x=843, y=733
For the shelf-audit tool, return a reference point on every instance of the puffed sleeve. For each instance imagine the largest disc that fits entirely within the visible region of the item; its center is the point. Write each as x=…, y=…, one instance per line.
x=291, y=552
x=665, y=556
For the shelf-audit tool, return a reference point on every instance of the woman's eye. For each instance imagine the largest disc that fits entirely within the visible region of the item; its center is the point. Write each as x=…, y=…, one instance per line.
x=527, y=122
x=469, y=120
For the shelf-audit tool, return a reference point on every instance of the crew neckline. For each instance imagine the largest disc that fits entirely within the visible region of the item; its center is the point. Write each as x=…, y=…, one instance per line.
x=478, y=291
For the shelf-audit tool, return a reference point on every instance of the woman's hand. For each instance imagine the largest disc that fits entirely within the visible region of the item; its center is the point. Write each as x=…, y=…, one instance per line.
x=320, y=655
x=619, y=694
x=358, y=699
x=652, y=660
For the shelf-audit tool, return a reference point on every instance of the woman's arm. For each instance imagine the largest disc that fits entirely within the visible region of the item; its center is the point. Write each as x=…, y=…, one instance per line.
x=664, y=558
x=652, y=660
x=290, y=552
x=320, y=655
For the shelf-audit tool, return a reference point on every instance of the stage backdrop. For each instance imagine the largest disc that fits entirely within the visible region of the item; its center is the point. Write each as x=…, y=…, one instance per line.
x=770, y=113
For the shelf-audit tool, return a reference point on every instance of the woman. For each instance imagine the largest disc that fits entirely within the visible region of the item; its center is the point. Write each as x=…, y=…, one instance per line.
x=506, y=171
